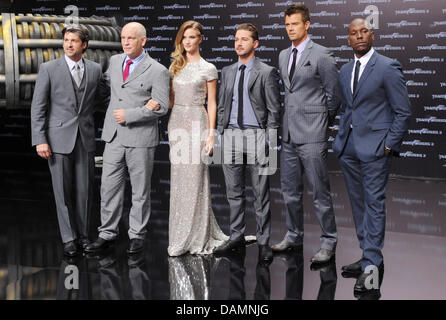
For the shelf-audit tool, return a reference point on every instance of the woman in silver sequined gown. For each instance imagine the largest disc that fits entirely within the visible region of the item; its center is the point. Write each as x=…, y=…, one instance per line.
x=192, y=225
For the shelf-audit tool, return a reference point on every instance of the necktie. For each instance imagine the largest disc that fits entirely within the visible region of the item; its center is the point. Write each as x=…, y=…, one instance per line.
x=355, y=79
x=77, y=75
x=240, y=96
x=126, y=72
x=293, y=66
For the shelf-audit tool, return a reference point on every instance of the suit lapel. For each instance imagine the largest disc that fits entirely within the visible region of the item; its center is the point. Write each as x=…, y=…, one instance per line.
x=348, y=87
x=367, y=71
x=142, y=66
x=86, y=71
x=231, y=81
x=284, y=68
x=253, y=74
x=66, y=80
x=303, y=58
x=119, y=68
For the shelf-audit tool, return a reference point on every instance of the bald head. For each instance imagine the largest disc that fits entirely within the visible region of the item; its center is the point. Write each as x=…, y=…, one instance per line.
x=362, y=22
x=136, y=28
x=133, y=39
x=360, y=36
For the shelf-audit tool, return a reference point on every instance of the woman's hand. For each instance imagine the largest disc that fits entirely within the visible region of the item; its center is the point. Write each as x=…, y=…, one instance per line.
x=209, y=148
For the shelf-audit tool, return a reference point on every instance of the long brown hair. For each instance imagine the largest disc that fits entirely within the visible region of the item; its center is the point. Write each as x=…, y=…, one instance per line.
x=179, y=54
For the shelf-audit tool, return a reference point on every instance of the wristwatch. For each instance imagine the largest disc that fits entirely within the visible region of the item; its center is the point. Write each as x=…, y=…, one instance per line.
x=387, y=149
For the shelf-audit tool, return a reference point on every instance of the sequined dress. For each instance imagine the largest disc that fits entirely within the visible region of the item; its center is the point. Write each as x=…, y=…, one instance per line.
x=192, y=224
x=191, y=277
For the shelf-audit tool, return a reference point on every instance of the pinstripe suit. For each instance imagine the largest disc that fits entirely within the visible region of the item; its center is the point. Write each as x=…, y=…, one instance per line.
x=310, y=106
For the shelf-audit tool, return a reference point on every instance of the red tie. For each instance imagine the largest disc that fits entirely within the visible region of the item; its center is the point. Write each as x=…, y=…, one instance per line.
x=126, y=72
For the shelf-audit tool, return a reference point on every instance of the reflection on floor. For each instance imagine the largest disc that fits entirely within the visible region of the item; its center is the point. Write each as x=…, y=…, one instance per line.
x=32, y=265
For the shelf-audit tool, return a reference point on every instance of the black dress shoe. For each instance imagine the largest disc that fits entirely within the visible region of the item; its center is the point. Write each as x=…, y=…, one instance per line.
x=135, y=246
x=236, y=257
x=285, y=245
x=354, y=268
x=99, y=244
x=229, y=246
x=70, y=249
x=265, y=253
x=100, y=254
x=349, y=275
x=360, y=285
x=83, y=242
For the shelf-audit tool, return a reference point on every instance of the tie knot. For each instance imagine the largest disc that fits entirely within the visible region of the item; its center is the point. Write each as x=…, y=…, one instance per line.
x=358, y=63
x=129, y=62
x=242, y=67
x=76, y=66
x=294, y=50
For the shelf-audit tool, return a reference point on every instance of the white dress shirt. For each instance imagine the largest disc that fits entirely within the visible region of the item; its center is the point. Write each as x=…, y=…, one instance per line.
x=364, y=60
x=72, y=64
x=299, y=48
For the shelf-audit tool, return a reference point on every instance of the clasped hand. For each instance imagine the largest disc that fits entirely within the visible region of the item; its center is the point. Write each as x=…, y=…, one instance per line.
x=119, y=114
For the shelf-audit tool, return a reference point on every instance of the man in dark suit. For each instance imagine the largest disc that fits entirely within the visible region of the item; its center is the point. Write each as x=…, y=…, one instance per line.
x=248, y=105
x=375, y=117
x=63, y=132
x=310, y=78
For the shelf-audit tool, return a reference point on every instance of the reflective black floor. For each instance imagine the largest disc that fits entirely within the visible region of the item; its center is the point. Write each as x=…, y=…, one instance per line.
x=32, y=265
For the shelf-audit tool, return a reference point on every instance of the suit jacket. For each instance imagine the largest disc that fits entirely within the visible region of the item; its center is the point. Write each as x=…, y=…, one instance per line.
x=55, y=118
x=379, y=112
x=149, y=80
x=311, y=97
x=264, y=94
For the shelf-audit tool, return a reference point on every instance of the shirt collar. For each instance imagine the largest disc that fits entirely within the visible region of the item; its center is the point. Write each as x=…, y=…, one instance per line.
x=301, y=46
x=365, y=58
x=137, y=59
x=71, y=63
x=248, y=65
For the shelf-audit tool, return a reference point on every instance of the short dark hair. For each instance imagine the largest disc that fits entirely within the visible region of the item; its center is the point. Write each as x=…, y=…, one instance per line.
x=299, y=8
x=80, y=31
x=251, y=28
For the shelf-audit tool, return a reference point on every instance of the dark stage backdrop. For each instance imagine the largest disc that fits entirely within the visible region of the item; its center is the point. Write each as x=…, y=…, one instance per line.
x=412, y=31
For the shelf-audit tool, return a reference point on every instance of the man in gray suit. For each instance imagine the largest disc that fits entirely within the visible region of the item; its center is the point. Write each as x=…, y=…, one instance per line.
x=139, y=96
x=248, y=105
x=63, y=132
x=309, y=75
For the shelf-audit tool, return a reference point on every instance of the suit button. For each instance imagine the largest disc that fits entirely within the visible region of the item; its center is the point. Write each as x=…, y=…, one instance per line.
x=291, y=91
x=120, y=99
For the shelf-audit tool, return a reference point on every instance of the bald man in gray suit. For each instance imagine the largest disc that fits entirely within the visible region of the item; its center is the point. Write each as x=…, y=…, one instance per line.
x=139, y=96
